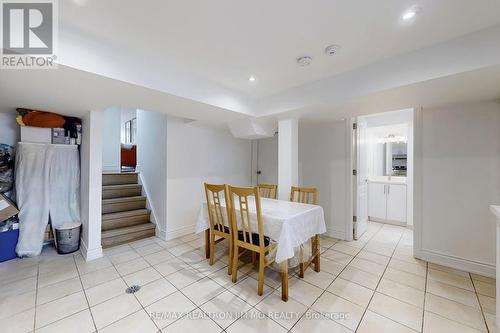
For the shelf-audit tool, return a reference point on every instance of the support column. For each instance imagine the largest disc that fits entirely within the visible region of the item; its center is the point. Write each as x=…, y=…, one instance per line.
x=91, y=185
x=288, y=159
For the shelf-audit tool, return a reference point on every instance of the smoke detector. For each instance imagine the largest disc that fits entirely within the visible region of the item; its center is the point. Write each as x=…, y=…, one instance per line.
x=304, y=61
x=332, y=49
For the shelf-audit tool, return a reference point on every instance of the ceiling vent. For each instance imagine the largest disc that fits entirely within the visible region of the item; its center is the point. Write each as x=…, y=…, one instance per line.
x=332, y=49
x=304, y=61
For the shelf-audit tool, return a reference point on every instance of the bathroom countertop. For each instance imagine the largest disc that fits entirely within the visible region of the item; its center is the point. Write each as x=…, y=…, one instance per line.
x=496, y=211
x=387, y=180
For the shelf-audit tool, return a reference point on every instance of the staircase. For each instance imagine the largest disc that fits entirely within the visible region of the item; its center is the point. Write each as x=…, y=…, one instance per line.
x=124, y=214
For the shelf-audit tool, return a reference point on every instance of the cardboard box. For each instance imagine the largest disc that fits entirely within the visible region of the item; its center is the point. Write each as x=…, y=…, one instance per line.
x=36, y=134
x=58, y=136
x=48, y=235
x=7, y=208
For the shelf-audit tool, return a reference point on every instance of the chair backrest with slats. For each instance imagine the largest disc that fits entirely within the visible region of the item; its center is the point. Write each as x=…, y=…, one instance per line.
x=269, y=191
x=214, y=194
x=308, y=195
x=240, y=211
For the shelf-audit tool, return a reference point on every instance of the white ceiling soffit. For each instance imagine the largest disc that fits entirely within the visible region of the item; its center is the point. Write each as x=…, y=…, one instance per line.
x=468, y=87
x=205, y=51
x=253, y=128
x=73, y=92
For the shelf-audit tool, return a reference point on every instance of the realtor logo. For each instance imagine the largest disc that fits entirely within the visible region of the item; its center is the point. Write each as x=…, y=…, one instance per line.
x=29, y=34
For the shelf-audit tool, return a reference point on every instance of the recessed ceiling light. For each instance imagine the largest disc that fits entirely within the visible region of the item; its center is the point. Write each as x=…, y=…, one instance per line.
x=410, y=13
x=304, y=61
x=252, y=78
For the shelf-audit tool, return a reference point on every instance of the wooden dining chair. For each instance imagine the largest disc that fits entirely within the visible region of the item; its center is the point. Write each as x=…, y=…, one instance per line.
x=308, y=195
x=269, y=191
x=247, y=238
x=219, y=226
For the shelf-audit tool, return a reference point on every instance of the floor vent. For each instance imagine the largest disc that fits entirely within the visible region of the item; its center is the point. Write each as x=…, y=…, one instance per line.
x=132, y=289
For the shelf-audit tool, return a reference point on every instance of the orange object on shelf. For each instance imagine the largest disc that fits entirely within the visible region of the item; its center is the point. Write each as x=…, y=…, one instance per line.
x=39, y=119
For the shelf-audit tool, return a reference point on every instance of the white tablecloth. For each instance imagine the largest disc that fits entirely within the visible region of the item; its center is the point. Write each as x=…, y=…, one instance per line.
x=289, y=224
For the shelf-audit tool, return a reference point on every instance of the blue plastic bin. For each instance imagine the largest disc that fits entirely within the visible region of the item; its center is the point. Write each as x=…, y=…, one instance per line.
x=8, y=242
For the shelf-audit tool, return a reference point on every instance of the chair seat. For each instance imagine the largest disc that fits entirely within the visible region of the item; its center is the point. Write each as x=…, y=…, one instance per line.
x=255, y=238
x=221, y=228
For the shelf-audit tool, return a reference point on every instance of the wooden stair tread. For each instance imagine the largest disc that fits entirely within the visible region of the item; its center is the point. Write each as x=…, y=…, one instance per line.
x=124, y=199
x=119, y=179
x=127, y=230
x=120, y=187
x=119, y=173
x=128, y=213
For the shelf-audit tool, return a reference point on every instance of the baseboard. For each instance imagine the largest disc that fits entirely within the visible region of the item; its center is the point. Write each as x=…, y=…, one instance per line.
x=179, y=232
x=111, y=168
x=398, y=223
x=335, y=234
x=89, y=255
x=457, y=263
x=162, y=234
x=149, y=206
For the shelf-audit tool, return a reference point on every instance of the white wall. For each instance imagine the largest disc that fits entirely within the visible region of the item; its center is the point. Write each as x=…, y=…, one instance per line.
x=288, y=160
x=111, y=137
x=152, y=164
x=324, y=162
x=196, y=155
x=9, y=129
x=126, y=115
x=460, y=178
x=91, y=185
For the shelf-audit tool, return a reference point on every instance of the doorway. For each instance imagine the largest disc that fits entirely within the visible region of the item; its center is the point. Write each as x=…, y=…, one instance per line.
x=128, y=139
x=266, y=160
x=382, y=160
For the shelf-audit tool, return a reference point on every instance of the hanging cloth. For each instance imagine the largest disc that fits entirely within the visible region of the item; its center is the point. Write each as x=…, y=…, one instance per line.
x=32, y=194
x=64, y=185
x=47, y=183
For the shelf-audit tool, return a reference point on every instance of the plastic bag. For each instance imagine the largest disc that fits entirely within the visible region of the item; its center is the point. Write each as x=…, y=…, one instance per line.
x=6, y=168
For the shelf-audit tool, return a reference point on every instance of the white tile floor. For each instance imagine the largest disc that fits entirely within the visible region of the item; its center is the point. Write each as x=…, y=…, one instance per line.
x=370, y=285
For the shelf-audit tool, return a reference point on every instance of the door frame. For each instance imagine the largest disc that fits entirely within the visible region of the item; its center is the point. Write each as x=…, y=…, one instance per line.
x=351, y=179
x=417, y=179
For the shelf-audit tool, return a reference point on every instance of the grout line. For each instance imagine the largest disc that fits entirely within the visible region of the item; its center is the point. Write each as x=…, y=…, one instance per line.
x=176, y=288
x=36, y=293
x=335, y=278
x=425, y=294
x=243, y=277
x=73, y=293
x=480, y=305
x=85, y=294
x=135, y=296
x=380, y=279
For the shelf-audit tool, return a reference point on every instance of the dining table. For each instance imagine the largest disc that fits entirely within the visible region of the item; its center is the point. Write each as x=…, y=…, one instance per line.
x=289, y=224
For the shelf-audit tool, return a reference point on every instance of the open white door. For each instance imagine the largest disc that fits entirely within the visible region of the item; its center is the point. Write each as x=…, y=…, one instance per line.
x=361, y=176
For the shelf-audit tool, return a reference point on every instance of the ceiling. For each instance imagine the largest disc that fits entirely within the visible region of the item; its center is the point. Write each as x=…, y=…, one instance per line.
x=226, y=41
x=193, y=58
x=380, y=132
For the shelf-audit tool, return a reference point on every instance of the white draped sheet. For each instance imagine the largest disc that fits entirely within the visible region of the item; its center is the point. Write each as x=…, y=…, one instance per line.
x=47, y=184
